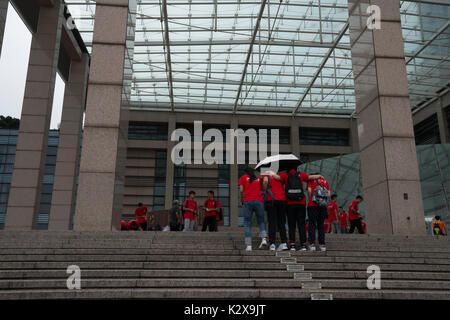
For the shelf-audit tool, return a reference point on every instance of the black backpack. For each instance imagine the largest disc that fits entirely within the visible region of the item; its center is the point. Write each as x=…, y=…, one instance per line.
x=294, y=187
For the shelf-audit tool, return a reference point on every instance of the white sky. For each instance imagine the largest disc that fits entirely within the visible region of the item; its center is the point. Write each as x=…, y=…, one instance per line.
x=13, y=70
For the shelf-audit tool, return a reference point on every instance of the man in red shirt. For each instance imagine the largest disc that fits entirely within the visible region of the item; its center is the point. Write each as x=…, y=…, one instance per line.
x=251, y=199
x=333, y=215
x=211, y=209
x=343, y=220
x=354, y=216
x=141, y=215
x=296, y=204
x=190, y=212
x=317, y=215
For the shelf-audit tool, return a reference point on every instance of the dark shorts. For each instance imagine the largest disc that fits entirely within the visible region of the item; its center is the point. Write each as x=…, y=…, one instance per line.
x=143, y=225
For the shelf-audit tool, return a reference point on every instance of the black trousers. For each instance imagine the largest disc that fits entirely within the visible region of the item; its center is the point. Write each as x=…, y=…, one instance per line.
x=296, y=214
x=317, y=216
x=175, y=226
x=356, y=223
x=210, y=223
x=276, y=216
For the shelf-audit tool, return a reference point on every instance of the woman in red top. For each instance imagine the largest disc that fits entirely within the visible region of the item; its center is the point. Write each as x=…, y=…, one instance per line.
x=296, y=208
x=252, y=201
x=343, y=220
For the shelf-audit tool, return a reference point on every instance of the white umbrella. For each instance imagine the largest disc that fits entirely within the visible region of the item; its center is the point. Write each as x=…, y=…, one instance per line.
x=285, y=161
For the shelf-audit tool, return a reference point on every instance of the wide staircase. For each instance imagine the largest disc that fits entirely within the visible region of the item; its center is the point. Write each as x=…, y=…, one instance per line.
x=176, y=265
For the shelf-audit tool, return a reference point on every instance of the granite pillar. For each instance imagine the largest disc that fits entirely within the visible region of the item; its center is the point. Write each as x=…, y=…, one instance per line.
x=169, y=163
x=391, y=183
x=25, y=192
x=103, y=156
x=234, y=179
x=295, y=138
x=67, y=159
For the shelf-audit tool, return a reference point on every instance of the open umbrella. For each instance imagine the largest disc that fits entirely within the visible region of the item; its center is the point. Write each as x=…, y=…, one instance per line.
x=285, y=162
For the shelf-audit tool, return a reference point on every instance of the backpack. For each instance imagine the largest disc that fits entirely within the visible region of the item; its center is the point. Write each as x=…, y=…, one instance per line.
x=294, y=187
x=437, y=228
x=320, y=195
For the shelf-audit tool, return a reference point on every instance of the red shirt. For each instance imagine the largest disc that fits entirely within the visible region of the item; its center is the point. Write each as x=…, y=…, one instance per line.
x=277, y=188
x=303, y=177
x=141, y=214
x=209, y=204
x=343, y=219
x=332, y=208
x=352, y=215
x=252, y=191
x=191, y=205
x=313, y=185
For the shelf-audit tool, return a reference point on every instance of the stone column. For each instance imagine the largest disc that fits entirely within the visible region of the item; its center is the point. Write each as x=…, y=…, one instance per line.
x=67, y=159
x=103, y=156
x=295, y=138
x=234, y=192
x=442, y=121
x=391, y=183
x=170, y=166
x=25, y=192
x=3, y=14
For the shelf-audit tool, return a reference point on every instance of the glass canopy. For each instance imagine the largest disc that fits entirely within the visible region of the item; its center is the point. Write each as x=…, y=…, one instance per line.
x=286, y=57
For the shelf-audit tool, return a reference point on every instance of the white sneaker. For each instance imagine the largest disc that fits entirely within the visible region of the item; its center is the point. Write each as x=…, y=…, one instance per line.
x=303, y=248
x=249, y=248
x=282, y=247
x=272, y=247
x=323, y=248
x=263, y=243
x=292, y=248
x=312, y=248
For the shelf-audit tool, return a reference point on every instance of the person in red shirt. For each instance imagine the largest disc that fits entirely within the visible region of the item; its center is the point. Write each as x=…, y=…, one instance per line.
x=296, y=204
x=123, y=226
x=354, y=216
x=275, y=205
x=317, y=215
x=364, y=225
x=343, y=220
x=190, y=209
x=133, y=225
x=141, y=215
x=333, y=215
x=251, y=199
x=211, y=209
x=326, y=226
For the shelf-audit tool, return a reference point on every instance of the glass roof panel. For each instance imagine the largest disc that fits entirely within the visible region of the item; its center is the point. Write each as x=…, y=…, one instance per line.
x=211, y=41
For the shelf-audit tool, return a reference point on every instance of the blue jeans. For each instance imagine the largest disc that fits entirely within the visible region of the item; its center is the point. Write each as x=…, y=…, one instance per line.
x=249, y=207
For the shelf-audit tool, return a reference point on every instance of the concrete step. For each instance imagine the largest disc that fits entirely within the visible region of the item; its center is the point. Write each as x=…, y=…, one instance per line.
x=152, y=283
x=144, y=265
x=221, y=293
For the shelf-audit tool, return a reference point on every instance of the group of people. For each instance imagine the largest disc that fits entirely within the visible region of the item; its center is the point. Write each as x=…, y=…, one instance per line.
x=282, y=195
x=187, y=217
x=143, y=222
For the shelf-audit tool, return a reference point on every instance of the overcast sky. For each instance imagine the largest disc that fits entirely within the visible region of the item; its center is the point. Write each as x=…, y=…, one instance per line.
x=13, y=70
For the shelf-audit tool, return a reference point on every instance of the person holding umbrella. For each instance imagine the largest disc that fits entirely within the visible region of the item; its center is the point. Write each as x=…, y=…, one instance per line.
x=252, y=202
